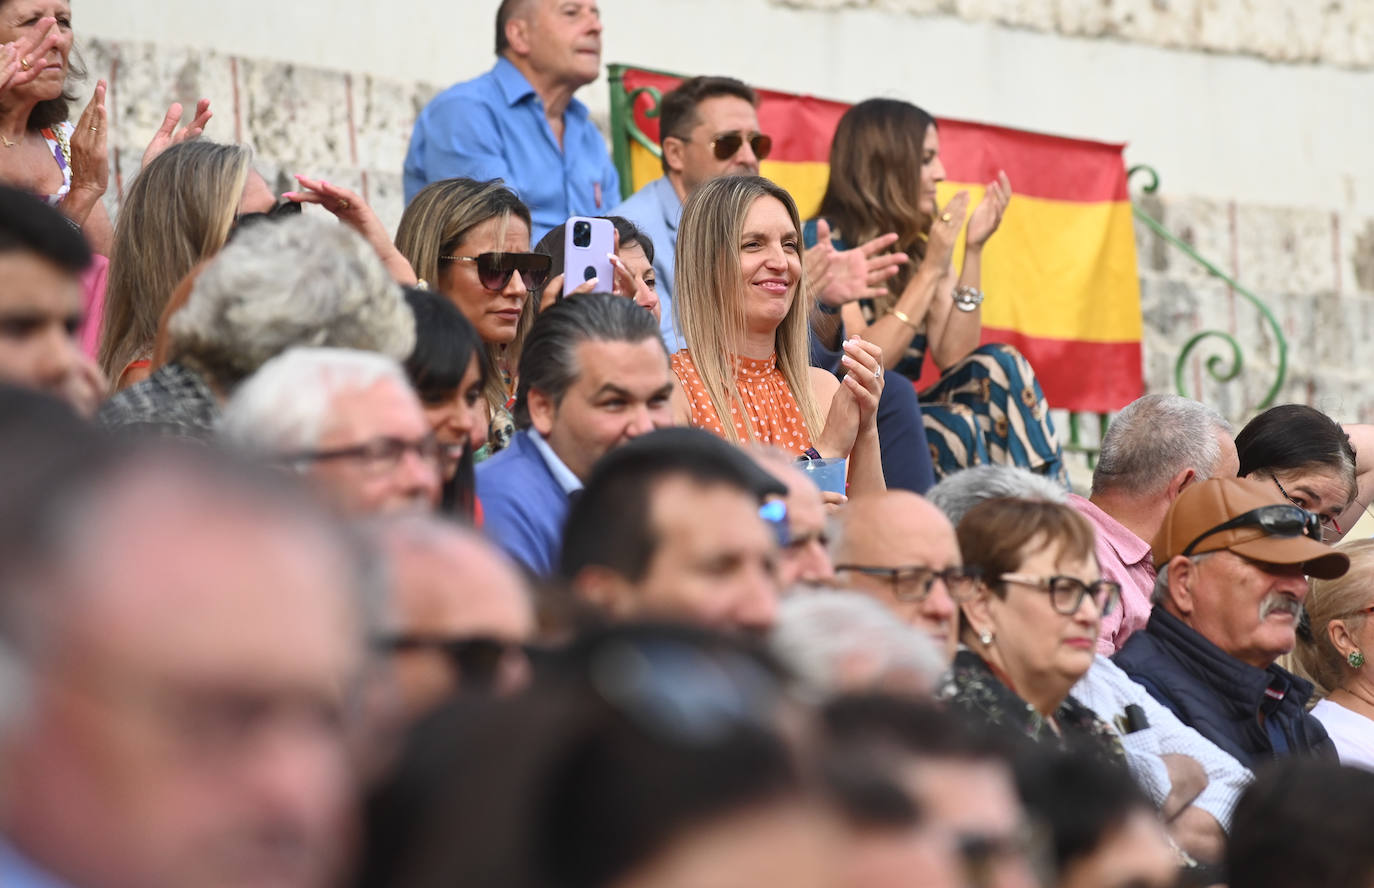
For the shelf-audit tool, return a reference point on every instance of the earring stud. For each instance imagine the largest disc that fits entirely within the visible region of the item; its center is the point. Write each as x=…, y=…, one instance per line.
x=986, y=637
x=1355, y=659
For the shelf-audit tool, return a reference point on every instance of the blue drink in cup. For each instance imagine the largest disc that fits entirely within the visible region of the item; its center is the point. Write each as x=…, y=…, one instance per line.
x=827, y=474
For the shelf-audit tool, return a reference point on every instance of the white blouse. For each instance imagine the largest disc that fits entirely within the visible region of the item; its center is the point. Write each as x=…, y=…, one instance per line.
x=1352, y=733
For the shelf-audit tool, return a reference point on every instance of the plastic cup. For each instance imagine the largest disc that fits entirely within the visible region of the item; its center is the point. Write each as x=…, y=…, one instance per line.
x=827, y=474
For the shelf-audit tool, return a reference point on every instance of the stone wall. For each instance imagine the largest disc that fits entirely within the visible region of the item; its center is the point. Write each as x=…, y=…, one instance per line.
x=1330, y=32
x=1314, y=268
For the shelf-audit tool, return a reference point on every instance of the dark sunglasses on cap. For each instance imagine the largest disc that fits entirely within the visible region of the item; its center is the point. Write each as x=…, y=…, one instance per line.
x=726, y=145
x=1276, y=520
x=494, y=270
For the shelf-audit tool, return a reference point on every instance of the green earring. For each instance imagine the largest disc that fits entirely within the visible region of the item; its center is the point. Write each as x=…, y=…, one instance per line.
x=1355, y=659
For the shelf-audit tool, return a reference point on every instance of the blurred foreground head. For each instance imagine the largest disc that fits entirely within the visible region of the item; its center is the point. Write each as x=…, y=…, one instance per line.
x=652, y=759
x=187, y=633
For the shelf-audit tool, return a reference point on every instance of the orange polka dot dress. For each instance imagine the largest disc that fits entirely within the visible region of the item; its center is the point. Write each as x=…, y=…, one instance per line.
x=764, y=397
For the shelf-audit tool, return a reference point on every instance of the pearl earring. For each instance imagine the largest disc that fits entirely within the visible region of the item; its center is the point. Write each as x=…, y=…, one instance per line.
x=986, y=637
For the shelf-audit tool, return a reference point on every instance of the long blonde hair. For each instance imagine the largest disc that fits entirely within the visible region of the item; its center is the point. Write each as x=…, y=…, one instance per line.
x=177, y=214
x=1337, y=599
x=708, y=307
x=435, y=224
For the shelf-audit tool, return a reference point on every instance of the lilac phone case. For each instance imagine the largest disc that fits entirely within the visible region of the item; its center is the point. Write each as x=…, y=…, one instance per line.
x=582, y=263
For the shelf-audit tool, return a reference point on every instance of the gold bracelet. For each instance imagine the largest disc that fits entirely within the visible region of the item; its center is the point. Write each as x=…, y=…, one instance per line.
x=904, y=318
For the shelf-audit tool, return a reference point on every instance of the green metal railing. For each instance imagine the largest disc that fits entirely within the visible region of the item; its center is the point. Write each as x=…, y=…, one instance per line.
x=1216, y=364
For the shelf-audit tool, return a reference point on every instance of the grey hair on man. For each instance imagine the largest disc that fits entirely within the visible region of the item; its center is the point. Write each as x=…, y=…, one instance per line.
x=295, y=282
x=961, y=491
x=51, y=531
x=837, y=642
x=287, y=404
x=548, y=360
x=1153, y=439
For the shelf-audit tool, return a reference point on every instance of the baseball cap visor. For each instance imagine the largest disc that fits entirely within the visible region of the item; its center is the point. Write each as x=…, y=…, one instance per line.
x=1317, y=559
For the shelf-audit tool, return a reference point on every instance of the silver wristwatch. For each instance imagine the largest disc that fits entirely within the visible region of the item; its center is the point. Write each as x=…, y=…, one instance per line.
x=967, y=298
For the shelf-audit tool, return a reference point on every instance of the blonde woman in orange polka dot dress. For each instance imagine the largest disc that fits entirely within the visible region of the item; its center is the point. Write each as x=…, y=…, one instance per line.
x=741, y=304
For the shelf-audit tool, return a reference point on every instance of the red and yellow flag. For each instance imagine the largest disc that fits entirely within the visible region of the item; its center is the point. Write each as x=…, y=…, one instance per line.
x=1060, y=275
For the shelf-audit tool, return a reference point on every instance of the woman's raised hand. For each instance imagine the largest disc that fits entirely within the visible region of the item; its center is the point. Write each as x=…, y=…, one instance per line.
x=854, y=409
x=90, y=160
x=355, y=212
x=988, y=214
x=167, y=135
x=944, y=231
x=632, y=287
x=863, y=363
x=27, y=50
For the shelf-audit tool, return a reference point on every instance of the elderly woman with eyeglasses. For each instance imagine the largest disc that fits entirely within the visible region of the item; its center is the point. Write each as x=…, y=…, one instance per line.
x=471, y=242
x=1030, y=626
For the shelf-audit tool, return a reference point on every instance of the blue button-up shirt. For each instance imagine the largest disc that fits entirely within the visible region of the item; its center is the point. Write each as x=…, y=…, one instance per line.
x=656, y=210
x=493, y=127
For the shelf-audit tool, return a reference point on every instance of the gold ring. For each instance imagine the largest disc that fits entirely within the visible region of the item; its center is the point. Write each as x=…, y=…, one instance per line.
x=24, y=63
x=946, y=217
x=344, y=204
x=95, y=129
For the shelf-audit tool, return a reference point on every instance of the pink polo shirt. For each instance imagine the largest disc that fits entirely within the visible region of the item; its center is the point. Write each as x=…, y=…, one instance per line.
x=1125, y=558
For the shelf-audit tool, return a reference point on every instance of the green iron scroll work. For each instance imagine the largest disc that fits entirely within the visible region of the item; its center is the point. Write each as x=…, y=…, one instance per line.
x=1216, y=364
x=623, y=121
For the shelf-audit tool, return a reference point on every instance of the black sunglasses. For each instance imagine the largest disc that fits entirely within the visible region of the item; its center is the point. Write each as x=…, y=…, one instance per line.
x=284, y=209
x=494, y=270
x=477, y=660
x=684, y=694
x=1276, y=520
x=727, y=145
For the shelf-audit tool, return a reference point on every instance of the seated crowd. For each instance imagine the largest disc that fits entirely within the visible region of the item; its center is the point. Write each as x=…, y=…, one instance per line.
x=476, y=569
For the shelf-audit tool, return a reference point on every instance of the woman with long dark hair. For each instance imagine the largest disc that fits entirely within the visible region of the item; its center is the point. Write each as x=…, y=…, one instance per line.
x=448, y=374
x=987, y=405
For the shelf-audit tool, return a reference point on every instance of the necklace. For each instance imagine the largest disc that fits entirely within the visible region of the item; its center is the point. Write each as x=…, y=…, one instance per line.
x=8, y=143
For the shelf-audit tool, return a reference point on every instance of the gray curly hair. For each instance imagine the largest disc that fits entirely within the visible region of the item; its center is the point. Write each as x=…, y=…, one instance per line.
x=293, y=282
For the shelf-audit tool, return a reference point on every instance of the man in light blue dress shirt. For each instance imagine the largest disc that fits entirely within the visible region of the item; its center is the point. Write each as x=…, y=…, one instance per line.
x=695, y=119
x=519, y=121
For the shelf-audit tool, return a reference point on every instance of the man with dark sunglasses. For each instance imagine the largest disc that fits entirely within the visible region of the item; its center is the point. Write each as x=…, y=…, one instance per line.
x=1233, y=557
x=456, y=613
x=708, y=127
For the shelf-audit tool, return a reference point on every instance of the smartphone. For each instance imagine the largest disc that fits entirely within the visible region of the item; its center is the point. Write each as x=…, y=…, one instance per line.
x=587, y=244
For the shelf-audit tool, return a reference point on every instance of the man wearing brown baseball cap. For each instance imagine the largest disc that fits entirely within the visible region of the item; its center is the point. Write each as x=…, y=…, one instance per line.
x=1233, y=557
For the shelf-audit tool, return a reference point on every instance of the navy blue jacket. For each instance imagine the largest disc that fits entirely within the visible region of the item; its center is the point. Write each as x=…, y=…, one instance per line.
x=1221, y=697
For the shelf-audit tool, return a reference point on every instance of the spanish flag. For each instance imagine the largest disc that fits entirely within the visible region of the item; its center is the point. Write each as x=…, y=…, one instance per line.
x=1060, y=274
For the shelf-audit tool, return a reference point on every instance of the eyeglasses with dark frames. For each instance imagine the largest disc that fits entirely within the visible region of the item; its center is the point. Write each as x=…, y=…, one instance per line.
x=1327, y=523
x=1067, y=593
x=913, y=584
x=1276, y=520
x=476, y=659
x=495, y=270
x=378, y=454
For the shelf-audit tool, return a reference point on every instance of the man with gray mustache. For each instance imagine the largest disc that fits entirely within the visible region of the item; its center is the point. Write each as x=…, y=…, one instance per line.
x=1233, y=557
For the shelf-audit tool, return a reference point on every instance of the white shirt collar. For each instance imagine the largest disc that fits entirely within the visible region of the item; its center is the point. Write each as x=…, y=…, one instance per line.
x=561, y=473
